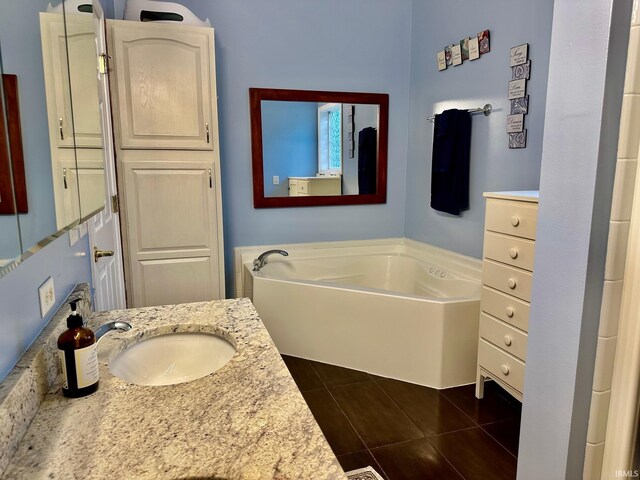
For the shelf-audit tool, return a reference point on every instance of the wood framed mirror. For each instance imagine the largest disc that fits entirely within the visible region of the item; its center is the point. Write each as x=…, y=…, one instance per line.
x=312, y=148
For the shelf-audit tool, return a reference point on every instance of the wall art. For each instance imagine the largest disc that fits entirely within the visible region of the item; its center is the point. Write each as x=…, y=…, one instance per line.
x=515, y=123
x=520, y=105
x=483, y=41
x=464, y=48
x=447, y=55
x=518, y=140
x=442, y=60
x=518, y=55
x=517, y=89
x=520, y=72
x=456, y=55
x=474, y=48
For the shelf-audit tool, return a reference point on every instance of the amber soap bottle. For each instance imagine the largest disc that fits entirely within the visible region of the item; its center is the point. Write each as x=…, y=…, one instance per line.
x=79, y=357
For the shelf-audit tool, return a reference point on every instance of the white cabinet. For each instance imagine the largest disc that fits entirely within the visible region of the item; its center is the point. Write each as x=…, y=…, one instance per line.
x=163, y=83
x=165, y=122
x=82, y=75
x=315, y=186
x=172, y=225
x=507, y=273
x=67, y=128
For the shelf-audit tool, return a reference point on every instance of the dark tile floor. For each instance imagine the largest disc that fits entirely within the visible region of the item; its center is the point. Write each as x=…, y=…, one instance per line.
x=406, y=431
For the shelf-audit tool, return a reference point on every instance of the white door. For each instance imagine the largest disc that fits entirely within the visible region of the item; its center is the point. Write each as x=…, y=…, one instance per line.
x=104, y=228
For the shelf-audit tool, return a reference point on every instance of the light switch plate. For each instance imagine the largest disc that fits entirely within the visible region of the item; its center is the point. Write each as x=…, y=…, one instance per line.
x=276, y=180
x=47, y=296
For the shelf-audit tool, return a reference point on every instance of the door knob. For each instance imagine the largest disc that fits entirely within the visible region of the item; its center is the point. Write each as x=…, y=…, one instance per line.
x=98, y=254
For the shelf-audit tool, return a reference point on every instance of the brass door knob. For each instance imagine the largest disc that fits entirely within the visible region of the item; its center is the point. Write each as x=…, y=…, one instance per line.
x=98, y=254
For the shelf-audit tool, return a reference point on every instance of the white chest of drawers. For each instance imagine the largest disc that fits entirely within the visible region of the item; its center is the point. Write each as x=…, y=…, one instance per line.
x=507, y=273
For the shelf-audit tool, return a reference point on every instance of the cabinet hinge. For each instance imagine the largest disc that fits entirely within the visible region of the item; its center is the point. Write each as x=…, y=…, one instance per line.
x=115, y=204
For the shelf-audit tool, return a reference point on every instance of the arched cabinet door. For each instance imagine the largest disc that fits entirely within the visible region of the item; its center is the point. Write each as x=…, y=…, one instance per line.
x=163, y=78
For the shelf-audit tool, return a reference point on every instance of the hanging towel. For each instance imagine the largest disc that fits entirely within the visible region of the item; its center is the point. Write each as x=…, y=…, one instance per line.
x=450, y=162
x=367, y=160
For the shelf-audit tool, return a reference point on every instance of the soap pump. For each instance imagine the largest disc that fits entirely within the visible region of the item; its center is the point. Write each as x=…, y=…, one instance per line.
x=79, y=357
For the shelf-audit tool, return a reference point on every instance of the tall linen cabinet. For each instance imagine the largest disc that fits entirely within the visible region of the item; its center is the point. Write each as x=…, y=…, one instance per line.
x=163, y=90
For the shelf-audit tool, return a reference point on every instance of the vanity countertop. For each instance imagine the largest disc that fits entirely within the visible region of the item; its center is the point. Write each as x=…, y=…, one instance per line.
x=246, y=421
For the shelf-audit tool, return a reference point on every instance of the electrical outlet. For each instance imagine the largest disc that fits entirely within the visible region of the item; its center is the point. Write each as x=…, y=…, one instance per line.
x=47, y=296
x=276, y=180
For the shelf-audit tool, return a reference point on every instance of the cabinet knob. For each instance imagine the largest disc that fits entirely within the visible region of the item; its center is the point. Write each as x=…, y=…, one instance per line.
x=515, y=221
x=505, y=369
x=513, y=253
x=512, y=283
x=510, y=312
x=507, y=340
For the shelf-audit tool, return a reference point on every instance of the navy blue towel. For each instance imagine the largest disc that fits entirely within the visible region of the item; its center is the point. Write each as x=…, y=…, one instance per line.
x=450, y=162
x=367, y=160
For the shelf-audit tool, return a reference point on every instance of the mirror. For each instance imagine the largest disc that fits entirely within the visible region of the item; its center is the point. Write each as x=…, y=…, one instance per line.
x=313, y=148
x=50, y=50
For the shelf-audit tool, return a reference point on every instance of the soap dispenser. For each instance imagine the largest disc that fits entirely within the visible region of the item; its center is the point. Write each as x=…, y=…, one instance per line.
x=79, y=357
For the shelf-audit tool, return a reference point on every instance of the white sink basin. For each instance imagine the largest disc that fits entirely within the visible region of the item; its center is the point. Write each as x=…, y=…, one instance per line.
x=172, y=358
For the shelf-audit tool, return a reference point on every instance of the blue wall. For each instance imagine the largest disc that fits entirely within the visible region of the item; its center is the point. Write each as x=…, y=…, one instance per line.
x=289, y=143
x=359, y=45
x=20, y=321
x=472, y=84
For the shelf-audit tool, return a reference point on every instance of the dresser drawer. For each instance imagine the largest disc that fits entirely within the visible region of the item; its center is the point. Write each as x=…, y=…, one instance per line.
x=512, y=218
x=508, y=249
x=505, y=307
x=502, y=365
x=503, y=336
x=507, y=279
x=303, y=186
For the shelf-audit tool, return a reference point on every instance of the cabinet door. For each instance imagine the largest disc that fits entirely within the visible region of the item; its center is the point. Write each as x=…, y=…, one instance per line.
x=79, y=79
x=172, y=230
x=164, y=77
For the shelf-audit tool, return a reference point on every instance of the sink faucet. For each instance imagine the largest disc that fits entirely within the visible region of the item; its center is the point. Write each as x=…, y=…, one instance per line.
x=260, y=262
x=108, y=327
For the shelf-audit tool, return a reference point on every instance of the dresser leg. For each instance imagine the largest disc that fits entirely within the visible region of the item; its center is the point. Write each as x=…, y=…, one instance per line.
x=479, y=385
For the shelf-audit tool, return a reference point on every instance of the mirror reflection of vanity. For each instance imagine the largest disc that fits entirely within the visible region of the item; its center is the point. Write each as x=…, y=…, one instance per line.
x=318, y=148
x=51, y=54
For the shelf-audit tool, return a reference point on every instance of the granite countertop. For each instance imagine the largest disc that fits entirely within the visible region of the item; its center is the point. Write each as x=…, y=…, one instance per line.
x=246, y=421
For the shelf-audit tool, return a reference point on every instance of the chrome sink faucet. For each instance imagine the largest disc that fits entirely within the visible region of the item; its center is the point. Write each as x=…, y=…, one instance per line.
x=260, y=262
x=108, y=327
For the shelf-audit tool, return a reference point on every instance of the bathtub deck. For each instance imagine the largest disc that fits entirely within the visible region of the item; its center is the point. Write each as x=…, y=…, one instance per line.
x=407, y=431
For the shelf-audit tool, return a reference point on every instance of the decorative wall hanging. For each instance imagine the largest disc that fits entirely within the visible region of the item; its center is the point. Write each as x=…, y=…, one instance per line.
x=520, y=72
x=483, y=40
x=469, y=48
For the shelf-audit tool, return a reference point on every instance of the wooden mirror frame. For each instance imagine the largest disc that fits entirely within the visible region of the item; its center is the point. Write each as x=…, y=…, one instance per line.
x=256, y=95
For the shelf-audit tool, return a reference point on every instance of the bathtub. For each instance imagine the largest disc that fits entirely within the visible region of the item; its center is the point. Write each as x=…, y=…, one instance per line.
x=403, y=310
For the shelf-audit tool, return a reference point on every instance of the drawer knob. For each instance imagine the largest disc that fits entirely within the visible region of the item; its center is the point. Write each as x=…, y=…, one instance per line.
x=507, y=340
x=515, y=221
x=505, y=369
x=513, y=253
x=512, y=283
x=510, y=312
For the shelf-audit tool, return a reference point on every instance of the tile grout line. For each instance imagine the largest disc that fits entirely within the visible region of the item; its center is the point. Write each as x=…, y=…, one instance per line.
x=343, y=413
x=498, y=442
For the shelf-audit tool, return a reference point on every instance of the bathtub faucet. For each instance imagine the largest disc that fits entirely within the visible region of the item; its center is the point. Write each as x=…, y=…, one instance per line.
x=259, y=262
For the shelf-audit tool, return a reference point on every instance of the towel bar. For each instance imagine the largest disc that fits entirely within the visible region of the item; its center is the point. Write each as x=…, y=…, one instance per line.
x=486, y=110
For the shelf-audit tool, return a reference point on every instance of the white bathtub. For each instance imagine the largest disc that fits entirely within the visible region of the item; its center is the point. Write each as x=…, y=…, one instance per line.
x=403, y=310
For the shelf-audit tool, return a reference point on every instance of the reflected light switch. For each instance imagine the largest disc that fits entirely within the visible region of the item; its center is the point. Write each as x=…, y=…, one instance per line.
x=276, y=180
